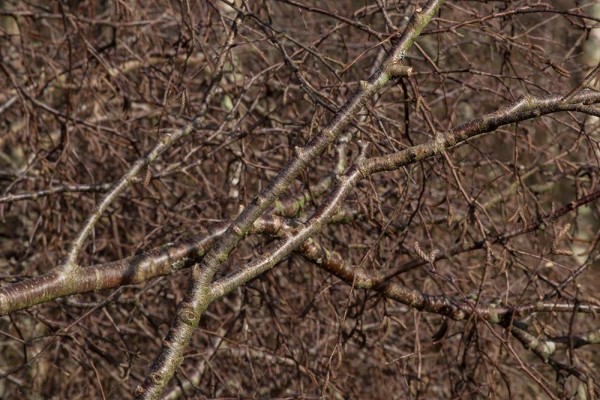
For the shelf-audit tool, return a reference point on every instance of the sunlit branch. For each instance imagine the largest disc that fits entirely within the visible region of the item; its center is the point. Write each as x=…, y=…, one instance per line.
x=198, y=296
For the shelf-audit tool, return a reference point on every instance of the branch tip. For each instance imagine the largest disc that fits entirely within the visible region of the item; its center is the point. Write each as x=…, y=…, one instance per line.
x=364, y=149
x=399, y=70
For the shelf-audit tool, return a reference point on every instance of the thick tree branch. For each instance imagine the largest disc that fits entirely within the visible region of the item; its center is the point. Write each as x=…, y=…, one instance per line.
x=198, y=296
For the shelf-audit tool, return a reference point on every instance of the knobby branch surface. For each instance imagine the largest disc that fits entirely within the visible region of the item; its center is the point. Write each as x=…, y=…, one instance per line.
x=363, y=167
x=521, y=110
x=171, y=258
x=161, y=261
x=198, y=296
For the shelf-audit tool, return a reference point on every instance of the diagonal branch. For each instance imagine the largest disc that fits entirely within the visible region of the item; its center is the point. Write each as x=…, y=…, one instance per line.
x=167, y=259
x=522, y=110
x=198, y=296
x=164, y=142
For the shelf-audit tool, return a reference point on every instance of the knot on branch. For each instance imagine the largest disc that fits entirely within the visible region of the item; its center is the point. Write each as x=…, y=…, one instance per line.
x=237, y=230
x=139, y=392
x=341, y=180
x=258, y=200
x=188, y=316
x=299, y=151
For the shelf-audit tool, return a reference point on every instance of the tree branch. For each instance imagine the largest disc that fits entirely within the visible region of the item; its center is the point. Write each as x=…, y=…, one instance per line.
x=164, y=142
x=198, y=296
